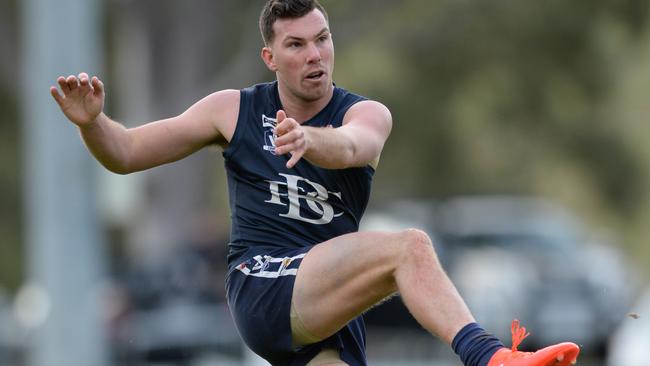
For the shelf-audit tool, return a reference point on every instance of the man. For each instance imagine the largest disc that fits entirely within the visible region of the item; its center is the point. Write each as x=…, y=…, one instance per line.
x=300, y=154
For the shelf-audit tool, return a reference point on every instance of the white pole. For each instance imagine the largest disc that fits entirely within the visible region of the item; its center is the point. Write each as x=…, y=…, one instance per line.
x=64, y=246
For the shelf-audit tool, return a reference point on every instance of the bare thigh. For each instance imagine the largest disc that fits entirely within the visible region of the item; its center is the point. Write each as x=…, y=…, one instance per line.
x=327, y=357
x=342, y=277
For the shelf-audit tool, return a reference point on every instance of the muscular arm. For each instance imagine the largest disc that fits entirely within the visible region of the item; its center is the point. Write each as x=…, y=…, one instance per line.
x=358, y=142
x=123, y=150
x=156, y=143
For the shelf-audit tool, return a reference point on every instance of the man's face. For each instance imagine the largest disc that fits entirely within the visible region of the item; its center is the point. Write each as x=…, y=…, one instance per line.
x=302, y=55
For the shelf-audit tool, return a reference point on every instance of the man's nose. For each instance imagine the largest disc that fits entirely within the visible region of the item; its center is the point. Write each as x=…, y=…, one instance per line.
x=313, y=53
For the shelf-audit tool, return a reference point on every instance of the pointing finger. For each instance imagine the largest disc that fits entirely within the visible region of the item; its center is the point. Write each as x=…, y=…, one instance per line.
x=295, y=157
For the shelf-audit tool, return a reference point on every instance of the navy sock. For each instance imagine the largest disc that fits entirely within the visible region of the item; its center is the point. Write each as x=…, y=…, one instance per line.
x=475, y=346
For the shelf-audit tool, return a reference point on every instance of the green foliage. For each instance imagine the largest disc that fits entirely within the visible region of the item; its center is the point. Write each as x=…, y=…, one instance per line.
x=11, y=258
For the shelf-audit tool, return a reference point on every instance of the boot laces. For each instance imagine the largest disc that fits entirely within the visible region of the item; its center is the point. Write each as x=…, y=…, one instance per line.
x=518, y=334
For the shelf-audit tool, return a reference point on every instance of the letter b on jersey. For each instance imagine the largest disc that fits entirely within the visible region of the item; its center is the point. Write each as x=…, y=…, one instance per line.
x=296, y=190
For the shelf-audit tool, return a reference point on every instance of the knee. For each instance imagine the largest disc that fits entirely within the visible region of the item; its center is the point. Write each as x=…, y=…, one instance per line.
x=418, y=244
x=417, y=239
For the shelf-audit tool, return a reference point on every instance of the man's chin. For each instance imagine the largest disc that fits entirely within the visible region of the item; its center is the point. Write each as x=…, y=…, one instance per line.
x=316, y=93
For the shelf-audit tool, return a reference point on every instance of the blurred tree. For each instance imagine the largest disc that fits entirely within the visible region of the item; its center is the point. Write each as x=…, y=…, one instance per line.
x=11, y=263
x=507, y=97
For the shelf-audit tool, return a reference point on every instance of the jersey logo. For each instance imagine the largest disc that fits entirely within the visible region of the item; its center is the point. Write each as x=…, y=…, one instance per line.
x=295, y=191
x=268, y=124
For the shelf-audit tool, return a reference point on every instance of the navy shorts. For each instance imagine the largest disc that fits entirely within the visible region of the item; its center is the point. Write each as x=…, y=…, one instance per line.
x=259, y=292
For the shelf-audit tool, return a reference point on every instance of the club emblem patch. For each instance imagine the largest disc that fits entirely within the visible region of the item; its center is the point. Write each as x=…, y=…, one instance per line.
x=268, y=124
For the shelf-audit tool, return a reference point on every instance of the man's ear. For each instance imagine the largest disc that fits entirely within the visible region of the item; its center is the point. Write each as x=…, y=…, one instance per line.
x=267, y=57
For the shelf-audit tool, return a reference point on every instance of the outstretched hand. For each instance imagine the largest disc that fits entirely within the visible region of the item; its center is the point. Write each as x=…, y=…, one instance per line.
x=290, y=138
x=82, y=100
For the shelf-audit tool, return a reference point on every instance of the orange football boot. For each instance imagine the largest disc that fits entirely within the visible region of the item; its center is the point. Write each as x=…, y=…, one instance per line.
x=562, y=354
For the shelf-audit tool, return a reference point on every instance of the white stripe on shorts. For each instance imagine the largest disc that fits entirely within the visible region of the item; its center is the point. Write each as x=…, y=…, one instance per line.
x=260, y=269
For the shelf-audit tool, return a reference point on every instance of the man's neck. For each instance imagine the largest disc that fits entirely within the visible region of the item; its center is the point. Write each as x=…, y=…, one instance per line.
x=303, y=110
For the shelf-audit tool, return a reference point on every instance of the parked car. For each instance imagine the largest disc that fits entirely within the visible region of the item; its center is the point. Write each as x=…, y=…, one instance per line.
x=173, y=312
x=528, y=258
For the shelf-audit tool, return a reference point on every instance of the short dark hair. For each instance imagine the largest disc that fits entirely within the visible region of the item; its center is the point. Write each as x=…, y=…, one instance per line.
x=283, y=9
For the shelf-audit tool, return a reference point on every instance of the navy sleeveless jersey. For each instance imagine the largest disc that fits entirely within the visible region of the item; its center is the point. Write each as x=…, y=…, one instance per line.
x=275, y=207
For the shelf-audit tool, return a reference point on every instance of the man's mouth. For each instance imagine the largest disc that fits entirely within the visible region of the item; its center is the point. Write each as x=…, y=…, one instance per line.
x=314, y=75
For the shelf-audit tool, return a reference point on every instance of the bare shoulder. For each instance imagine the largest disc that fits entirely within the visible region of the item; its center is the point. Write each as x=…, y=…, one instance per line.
x=220, y=109
x=370, y=114
x=369, y=110
x=222, y=99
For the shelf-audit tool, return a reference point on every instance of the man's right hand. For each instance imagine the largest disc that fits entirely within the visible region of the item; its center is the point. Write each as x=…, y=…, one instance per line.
x=82, y=100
